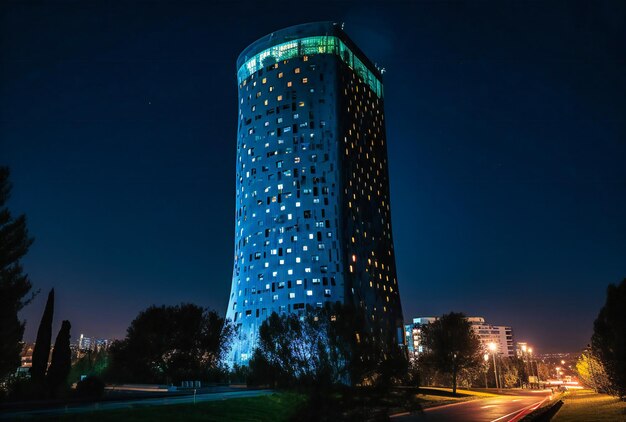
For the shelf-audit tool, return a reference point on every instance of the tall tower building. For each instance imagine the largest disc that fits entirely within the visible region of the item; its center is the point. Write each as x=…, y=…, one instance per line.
x=313, y=216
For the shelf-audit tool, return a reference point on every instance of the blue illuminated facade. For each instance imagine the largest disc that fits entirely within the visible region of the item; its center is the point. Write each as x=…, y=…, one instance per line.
x=312, y=222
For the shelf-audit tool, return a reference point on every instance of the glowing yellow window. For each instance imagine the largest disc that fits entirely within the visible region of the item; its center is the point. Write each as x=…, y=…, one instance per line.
x=305, y=58
x=271, y=88
x=265, y=102
x=264, y=80
x=305, y=80
x=280, y=98
x=289, y=84
x=297, y=70
x=280, y=75
x=301, y=104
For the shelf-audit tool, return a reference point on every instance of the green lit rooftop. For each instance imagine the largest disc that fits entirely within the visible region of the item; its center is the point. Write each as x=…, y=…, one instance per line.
x=306, y=46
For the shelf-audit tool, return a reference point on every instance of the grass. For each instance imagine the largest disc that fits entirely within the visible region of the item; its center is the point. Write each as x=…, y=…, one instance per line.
x=461, y=392
x=363, y=404
x=274, y=407
x=436, y=396
x=589, y=406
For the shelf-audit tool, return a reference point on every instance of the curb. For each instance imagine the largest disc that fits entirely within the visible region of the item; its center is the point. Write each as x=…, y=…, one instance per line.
x=545, y=413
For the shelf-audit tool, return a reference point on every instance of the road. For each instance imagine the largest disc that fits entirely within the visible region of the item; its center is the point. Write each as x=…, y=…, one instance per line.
x=129, y=404
x=506, y=408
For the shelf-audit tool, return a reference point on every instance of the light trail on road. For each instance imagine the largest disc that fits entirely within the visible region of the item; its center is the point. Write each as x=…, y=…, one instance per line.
x=504, y=408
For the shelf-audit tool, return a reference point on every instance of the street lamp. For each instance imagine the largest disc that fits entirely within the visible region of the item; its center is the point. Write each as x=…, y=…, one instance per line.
x=493, y=347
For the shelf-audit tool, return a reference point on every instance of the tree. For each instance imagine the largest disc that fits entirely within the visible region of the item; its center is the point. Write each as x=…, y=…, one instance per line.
x=169, y=344
x=296, y=350
x=543, y=370
x=14, y=283
x=324, y=347
x=509, y=372
x=451, y=346
x=41, y=352
x=591, y=372
x=61, y=361
x=609, y=337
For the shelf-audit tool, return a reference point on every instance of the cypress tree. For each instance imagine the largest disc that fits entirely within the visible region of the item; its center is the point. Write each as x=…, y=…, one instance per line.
x=61, y=361
x=42, y=345
x=14, y=283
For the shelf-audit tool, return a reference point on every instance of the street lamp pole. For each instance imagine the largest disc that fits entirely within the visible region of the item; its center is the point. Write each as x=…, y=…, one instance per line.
x=530, y=362
x=495, y=371
x=492, y=347
x=486, y=357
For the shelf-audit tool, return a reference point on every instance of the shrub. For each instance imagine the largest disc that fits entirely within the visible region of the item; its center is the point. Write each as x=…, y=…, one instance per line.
x=91, y=387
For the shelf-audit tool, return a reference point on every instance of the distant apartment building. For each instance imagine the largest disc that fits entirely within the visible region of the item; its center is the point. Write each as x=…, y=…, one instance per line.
x=501, y=336
x=412, y=334
x=26, y=356
x=89, y=343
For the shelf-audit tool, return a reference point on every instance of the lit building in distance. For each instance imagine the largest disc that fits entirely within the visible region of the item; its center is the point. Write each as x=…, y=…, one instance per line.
x=89, y=343
x=501, y=336
x=26, y=360
x=312, y=217
x=413, y=332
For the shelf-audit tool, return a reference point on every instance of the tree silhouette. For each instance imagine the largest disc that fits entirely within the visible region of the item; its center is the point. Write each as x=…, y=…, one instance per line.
x=61, y=361
x=609, y=337
x=14, y=284
x=451, y=346
x=170, y=344
x=41, y=352
x=325, y=346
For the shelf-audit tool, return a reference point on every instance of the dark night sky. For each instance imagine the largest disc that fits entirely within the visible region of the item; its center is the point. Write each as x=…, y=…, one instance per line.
x=507, y=151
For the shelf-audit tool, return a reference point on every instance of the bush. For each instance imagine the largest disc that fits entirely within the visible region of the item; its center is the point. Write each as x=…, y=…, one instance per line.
x=90, y=387
x=23, y=389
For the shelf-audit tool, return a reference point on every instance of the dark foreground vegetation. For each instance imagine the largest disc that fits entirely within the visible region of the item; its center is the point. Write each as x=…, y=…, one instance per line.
x=275, y=407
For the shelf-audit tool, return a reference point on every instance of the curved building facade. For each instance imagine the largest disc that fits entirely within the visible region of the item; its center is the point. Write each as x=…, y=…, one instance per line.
x=313, y=217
